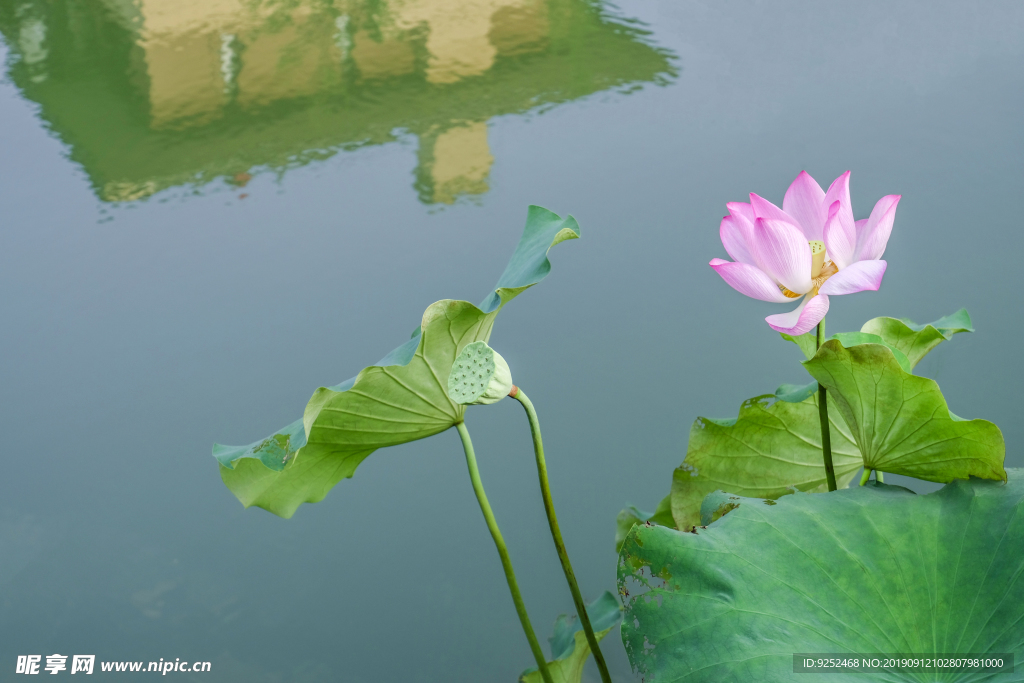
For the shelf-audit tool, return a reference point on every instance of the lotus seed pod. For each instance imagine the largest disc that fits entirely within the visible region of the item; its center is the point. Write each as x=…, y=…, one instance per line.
x=479, y=376
x=817, y=257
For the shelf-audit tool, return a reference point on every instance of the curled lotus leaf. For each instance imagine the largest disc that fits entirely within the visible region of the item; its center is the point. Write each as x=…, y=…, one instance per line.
x=906, y=339
x=849, y=339
x=772, y=447
x=901, y=422
x=628, y=517
x=796, y=393
x=569, y=645
x=401, y=398
x=871, y=569
x=808, y=344
x=915, y=341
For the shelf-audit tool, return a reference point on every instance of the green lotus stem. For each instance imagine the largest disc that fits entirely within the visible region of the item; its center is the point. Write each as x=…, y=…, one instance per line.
x=556, y=534
x=506, y=562
x=826, y=435
x=867, y=473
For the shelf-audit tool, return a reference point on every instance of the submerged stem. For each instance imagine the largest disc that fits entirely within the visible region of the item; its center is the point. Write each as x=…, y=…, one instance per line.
x=826, y=435
x=506, y=562
x=556, y=534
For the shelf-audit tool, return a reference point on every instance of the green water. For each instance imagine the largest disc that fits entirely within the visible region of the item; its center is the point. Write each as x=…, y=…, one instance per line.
x=210, y=209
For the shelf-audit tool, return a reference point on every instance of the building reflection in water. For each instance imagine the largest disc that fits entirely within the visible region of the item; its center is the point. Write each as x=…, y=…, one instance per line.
x=151, y=94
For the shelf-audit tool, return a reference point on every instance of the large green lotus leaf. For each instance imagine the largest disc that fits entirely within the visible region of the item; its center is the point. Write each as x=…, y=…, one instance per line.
x=917, y=340
x=772, y=447
x=900, y=422
x=403, y=397
x=870, y=569
x=627, y=517
x=569, y=645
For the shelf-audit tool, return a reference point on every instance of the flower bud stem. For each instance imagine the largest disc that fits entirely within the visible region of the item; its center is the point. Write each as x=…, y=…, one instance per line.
x=506, y=562
x=826, y=435
x=556, y=534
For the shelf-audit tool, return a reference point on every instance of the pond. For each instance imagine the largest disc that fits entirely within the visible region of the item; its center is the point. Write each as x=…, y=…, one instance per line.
x=212, y=209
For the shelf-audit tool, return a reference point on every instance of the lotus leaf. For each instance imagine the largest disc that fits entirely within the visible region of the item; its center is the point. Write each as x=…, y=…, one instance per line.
x=773, y=446
x=401, y=398
x=808, y=344
x=569, y=645
x=912, y=340
x=872, y=569
x=900, y=422
x=917, y=340
x=631, y=515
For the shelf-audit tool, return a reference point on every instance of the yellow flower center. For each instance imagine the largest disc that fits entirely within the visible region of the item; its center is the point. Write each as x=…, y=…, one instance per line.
x=827, y=271
x=821, y=269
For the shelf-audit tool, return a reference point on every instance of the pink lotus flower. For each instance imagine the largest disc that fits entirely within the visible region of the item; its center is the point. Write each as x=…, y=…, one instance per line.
x=811, y=247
